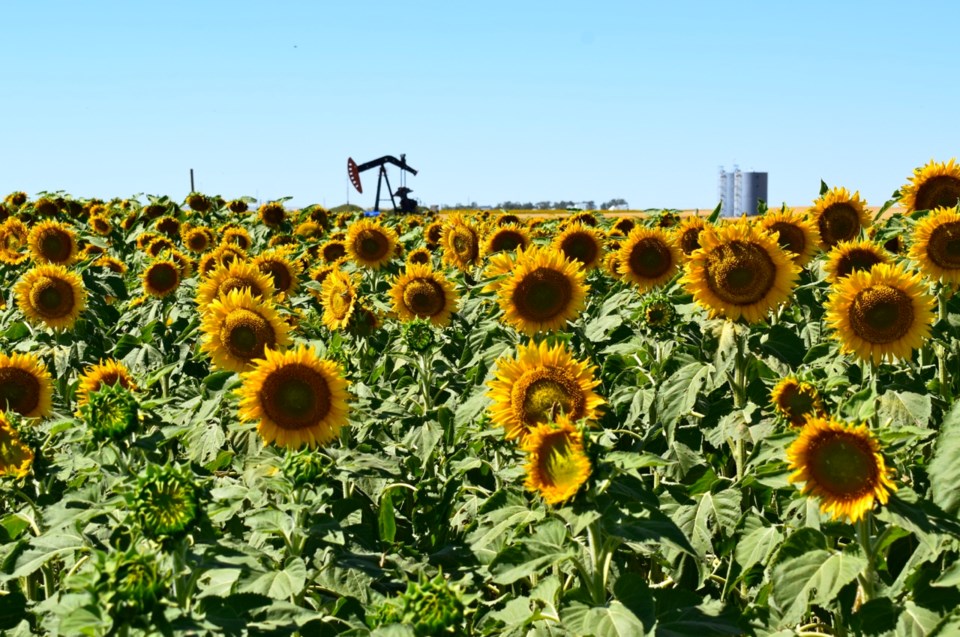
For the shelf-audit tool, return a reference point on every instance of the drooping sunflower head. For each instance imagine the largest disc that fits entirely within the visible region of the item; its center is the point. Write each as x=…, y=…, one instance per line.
x=104, y=374
x=236, y=276
x=161, y=278
x=433, y=234
x=796, y=233
x=370, y=244
x=841, y=464
x=238, y=328
x=648, y=258
x=796, y=401
x=740, y=272
x=165, y=501
x=198, y=202
x=13, y=241
x=272, y=214
x=53, y=242
x=557, y=464
x=420, y=256
x=110, y=263
x=338, y=295
x=284, y=271
x=544, y=292
x=936, y=185
x=296, y=398
x=237, y=206
x=839, y=216
x=936, y=244
x=421, y=292
x=51, y=295
x=168, y=225
x=581, y=243
x=197, y=239
x=308, y=230
x=687, y=234
x=506, y=238
x=461, y=243
x=884, y=313
x=853, y=256
x=539, y=383
x=15, y=456
x=25, y=386
x=16, y=199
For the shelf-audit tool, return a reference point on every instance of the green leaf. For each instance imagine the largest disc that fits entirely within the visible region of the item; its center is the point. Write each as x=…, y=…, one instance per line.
x=944, y=469
x=282, y=584
x=916, y=621
x=824, y=188
x=216, y=381
x=715, y=214
x=757, y=546
x=599, y=328
x=387, y=520
x=906, y=408
x=710, y=512
x=16, y=331
x=612, y=620
x=814, y=578
x=679, y=393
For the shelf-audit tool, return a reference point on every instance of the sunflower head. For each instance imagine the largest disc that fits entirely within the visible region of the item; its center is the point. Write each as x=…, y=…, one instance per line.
x=53, y=242
x=161, y=278
x=238, y=328
x=506, y=238
x=624, y=225
x=420, y=256
x=51, y=295
x=841, y=464
x=853, y=256
x=659, y=313
x=111, y=412
x=557, y=464
x=936, y=185
x=431, y=607
x=168, y=225
x=544, y=292
x=370, y=244
x=238, y=236
x=198, y=202
x=461, y=243
x=16, y=199
x=272, y=214
x=131, y=585
x=197, y=239
x=582, y=244
x=284, y=271
x=418, y=335
x=101, y=225
x=333, y=251
x=308, y=230
x=165, y=501
x=25, y=386
x=936, y=245
x=104, y=374
x=338, y=295
x=365, y=321
x=648, y=258
x=433, y=234
x=304, y=467
x=839, y=216
x=13, y=241
x=687, y=234
x=796, y=401
x=421, y=292
x=237, y=206
x=236, y=276
x=15, y=456
x=796, y=233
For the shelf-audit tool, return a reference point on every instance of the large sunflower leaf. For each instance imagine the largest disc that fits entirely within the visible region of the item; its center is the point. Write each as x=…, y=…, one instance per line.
x=813, y=578
x=944, y=469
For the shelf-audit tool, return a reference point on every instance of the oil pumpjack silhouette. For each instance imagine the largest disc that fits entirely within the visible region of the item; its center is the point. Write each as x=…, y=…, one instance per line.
x=406, y=204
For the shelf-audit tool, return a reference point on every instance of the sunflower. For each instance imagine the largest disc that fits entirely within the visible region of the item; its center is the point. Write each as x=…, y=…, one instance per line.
x=168, y=226
x=648, y=258
x=227, y=253
x=106, y=372
x=296, y=397
x=161, y=278
x=420, y=292
x=235, y=276
x=165, y=501
x=623, y=225
x=44, y=207
x=883, y=313
x=839, y=216
x=198, y=202
x=284, y=271
x=159, y=245
x=433, y=234
x=16, y=198
x=840, y=464
x=539, y=383
x=687, y=234
x=101, y=225
x=236, y=236
x=338, y=295
x=739, y=272
x=197, y=239
x=370, y=244
x=796, y=401
x=420, y=256
x=13, y=239
x=936, y=244
x=506, y=238
x=184, y=263
x=557, y=465
x=52, y=295
x=272, y=214
x=238, y=206
x=333, y=251
x=936, y=185
x=15, y=457
x=498, y=266
x=461, y=243
x=796, y=233
x=53, y=242
x=582, y=244
x=365, y=321
x=659, y=313
x=25, y=386
x=544, y=291
x=853, y=256
x=238, y=327
x=110, y=263
x=584, y=218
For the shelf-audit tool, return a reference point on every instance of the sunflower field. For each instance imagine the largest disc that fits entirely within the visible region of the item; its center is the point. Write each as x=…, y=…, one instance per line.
x=225, y=419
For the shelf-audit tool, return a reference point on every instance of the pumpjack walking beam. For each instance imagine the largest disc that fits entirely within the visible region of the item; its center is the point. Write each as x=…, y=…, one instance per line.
x=354, y=170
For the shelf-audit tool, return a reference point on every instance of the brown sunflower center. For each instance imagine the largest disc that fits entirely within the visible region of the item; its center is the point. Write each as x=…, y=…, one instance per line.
x=371, y=245
x=542, y=393
x=506, y=241
x=944, y=245
x=282, y=277
x=740, y=273
x=690, y=239
x=19, y=390
x=295, y=396
x=942, y=191
x=52, y=297
x=197, y=241
x=581, y=247
x=55, y=245
x=246, y=334
x=240, y=283
x=790, y=237
x=421, y=257
x=434, y=234
x=464, y=245
x=839, y=222
x=881, y=314
x=844, y=466
x=542, y=294
x=163, y=277
x=796, y=401
x=333, y=251
x=650, y=258
x=273, y=215
x=424, y=297
x=858, y=259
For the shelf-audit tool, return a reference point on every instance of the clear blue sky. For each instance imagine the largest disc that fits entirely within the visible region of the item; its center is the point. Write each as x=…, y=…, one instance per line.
x=489, y=100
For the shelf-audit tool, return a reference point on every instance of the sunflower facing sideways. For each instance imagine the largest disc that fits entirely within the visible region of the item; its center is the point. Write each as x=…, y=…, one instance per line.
x=557, y=465
x=840, y=464
x=796, y=233
x=936, y=245
x=544, y=291
x=853, y=256
x=51, y=295
x=25, y=386
x=239, y=327
x=740, y=272
x=421, y=292
x=53, y=242
x=370, y=244
x=338, y=295
x=108, y=372
x=648, y=258
x=461, y=243
x=539, y=383
x=796, y=400
x=883, y=313
x=687, y=234
x=296, y=398
x=839, y=216
x=936, y=185
x=15, y=457
x=13, y=240
x=581, y=243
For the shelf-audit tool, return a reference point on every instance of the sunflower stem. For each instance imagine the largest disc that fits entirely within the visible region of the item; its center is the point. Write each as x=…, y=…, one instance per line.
x=739, y=387
x=946, y=390
x=868, y=575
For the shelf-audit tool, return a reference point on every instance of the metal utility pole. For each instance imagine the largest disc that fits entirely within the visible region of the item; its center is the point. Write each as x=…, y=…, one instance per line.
x=192, y=189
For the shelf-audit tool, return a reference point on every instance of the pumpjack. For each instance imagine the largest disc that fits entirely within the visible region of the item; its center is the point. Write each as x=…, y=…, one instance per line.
x=354, y=170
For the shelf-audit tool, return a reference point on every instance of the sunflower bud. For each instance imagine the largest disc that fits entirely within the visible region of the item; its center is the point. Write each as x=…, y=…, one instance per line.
x=111, y=412
x=165, y=501
x=303, y=467
x=418, y=335
x=658, y=313
x=432, y=607
x=132, y=584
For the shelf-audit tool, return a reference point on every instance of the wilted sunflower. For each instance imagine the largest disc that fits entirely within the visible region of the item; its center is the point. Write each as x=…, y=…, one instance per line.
x=161, y=278
x=796, y=233
x=581, y=243
x=370, y=244
x=236, y=276
x=236, y=236
x=25, y=386
x=51, y=295
x=796, y=401
x=420, y=256
x=557, y=465
x=840, y=464
x=648, y=258
x=338, y=295
x=461, y=243
x=165, y=501
x=936, y=244
x=539, y=383
x=53, y=242
x=687, y=234
x=420, y=292
x=15, y=457
x=296, y=397
x=284, y=271
x=544, y=291
x=739, y=272
x=839, y=216
x=197, y=239
x=506, y=238
x=238, y=328
x=936, y=185
x=853, y=256
x=106, y=372
x=13, y=239
x=883, y=313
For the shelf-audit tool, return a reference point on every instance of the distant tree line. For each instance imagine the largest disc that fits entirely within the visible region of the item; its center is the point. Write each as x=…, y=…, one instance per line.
x=549, y=205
